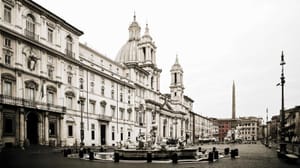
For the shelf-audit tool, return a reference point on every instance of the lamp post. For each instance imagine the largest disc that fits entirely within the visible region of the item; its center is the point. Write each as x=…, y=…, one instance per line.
x=282, y=115
x=267, y=136
x=81, y=122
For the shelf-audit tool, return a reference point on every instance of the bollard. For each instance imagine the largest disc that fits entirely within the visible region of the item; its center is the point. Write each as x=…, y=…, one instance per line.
x=216, y=155
x=91, y=156
x=236, y=152
x=81, y=153
x=199, y=149
x=116, y=157
x=226, y=151
x=69, y=151
x=174, y=158
x=149, y=157
x=65, y=153
x=232, y=153
x=101, y=149
x=210, y=156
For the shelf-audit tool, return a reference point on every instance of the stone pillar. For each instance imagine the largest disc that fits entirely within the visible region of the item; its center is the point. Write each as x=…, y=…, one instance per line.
x=158, y=82
x=46, y=129
x=40, y=132
x=61, y=126
x=22, y=127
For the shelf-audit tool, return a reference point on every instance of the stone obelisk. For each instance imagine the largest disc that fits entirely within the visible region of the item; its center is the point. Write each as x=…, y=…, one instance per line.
x=233, y=101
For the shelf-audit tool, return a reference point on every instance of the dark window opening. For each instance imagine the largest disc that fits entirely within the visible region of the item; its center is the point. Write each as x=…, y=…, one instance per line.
x=152, y=82
x=93, y=135
x=8, y=126
x=70, y=130
x=144, y=52
x=52, y=129
x=113, y=136
x=7, y=59
x=81, y=83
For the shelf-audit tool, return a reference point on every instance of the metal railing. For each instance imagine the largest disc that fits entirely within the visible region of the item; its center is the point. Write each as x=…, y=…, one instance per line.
x=16, y=101
x=31, y=35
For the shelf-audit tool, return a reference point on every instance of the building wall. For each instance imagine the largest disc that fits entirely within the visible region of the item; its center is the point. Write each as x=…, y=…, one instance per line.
x=47, y=62
x=248, y=128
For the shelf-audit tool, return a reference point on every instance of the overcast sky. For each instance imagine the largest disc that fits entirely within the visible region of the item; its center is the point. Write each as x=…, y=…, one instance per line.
x=216, y=41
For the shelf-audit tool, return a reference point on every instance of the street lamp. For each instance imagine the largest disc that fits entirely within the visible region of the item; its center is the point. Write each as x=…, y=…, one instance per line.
x=282, y=131
x=267, y=136
x=81, y=123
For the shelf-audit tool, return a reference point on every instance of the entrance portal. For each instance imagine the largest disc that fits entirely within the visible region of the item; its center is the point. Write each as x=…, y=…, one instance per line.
x=103, y=133
x=32, y=128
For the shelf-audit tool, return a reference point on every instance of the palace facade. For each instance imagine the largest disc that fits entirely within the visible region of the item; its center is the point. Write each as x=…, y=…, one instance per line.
x=51, y=84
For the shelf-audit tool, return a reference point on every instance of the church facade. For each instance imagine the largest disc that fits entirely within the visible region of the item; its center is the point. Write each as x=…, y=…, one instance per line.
x=52, y=86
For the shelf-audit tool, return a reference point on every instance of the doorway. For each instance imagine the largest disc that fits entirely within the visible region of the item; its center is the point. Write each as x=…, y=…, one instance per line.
x=32, y=128
x=103, y=134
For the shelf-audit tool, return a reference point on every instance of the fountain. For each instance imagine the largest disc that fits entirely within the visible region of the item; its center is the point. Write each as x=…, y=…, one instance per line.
x=153, y=149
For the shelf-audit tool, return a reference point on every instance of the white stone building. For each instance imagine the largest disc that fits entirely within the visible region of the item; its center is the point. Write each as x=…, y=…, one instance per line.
x=248, y=128
x=46, y=73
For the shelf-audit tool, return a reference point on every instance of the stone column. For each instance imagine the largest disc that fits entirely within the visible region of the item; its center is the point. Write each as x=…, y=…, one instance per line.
x=22, y=127
x=61, y=126
x=40, y=132
x=46, y=129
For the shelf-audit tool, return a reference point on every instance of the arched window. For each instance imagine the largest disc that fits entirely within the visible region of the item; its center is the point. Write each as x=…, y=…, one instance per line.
x=144, y=53
x=30, y=26
x=152, y=54
x=69, y=46
x=175, y=78
x=152, y=82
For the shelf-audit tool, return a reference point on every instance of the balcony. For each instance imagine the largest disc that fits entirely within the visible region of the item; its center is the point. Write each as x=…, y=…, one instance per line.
x=70, y=53
x=31, y=35
x=20, y=102
x=103, y=117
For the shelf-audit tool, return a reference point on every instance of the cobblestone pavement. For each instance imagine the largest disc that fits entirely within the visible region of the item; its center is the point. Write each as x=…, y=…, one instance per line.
x=251, y=156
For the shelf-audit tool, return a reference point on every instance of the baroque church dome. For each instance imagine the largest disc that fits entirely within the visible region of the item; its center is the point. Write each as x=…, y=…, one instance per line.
x=129, y=51
x=134, y=50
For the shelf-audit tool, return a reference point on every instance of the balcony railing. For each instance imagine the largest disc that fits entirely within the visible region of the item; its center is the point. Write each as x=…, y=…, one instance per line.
x=69, y=53
x=16, y=101
x=31, y=35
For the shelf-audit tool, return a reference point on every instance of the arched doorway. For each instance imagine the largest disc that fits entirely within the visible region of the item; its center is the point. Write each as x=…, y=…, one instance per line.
x=32, y=128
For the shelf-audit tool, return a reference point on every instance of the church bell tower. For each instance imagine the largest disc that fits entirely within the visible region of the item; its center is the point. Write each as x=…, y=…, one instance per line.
x=176, y=87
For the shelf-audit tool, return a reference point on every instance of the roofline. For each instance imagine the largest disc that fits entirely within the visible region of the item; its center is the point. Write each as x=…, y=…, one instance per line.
x=200, y=115
x=48, y=13
x=102, y=55
x=190, y=99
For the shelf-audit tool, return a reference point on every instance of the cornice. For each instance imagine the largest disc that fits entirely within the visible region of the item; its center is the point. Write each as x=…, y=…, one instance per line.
x=43, y=11
x=60, y=55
